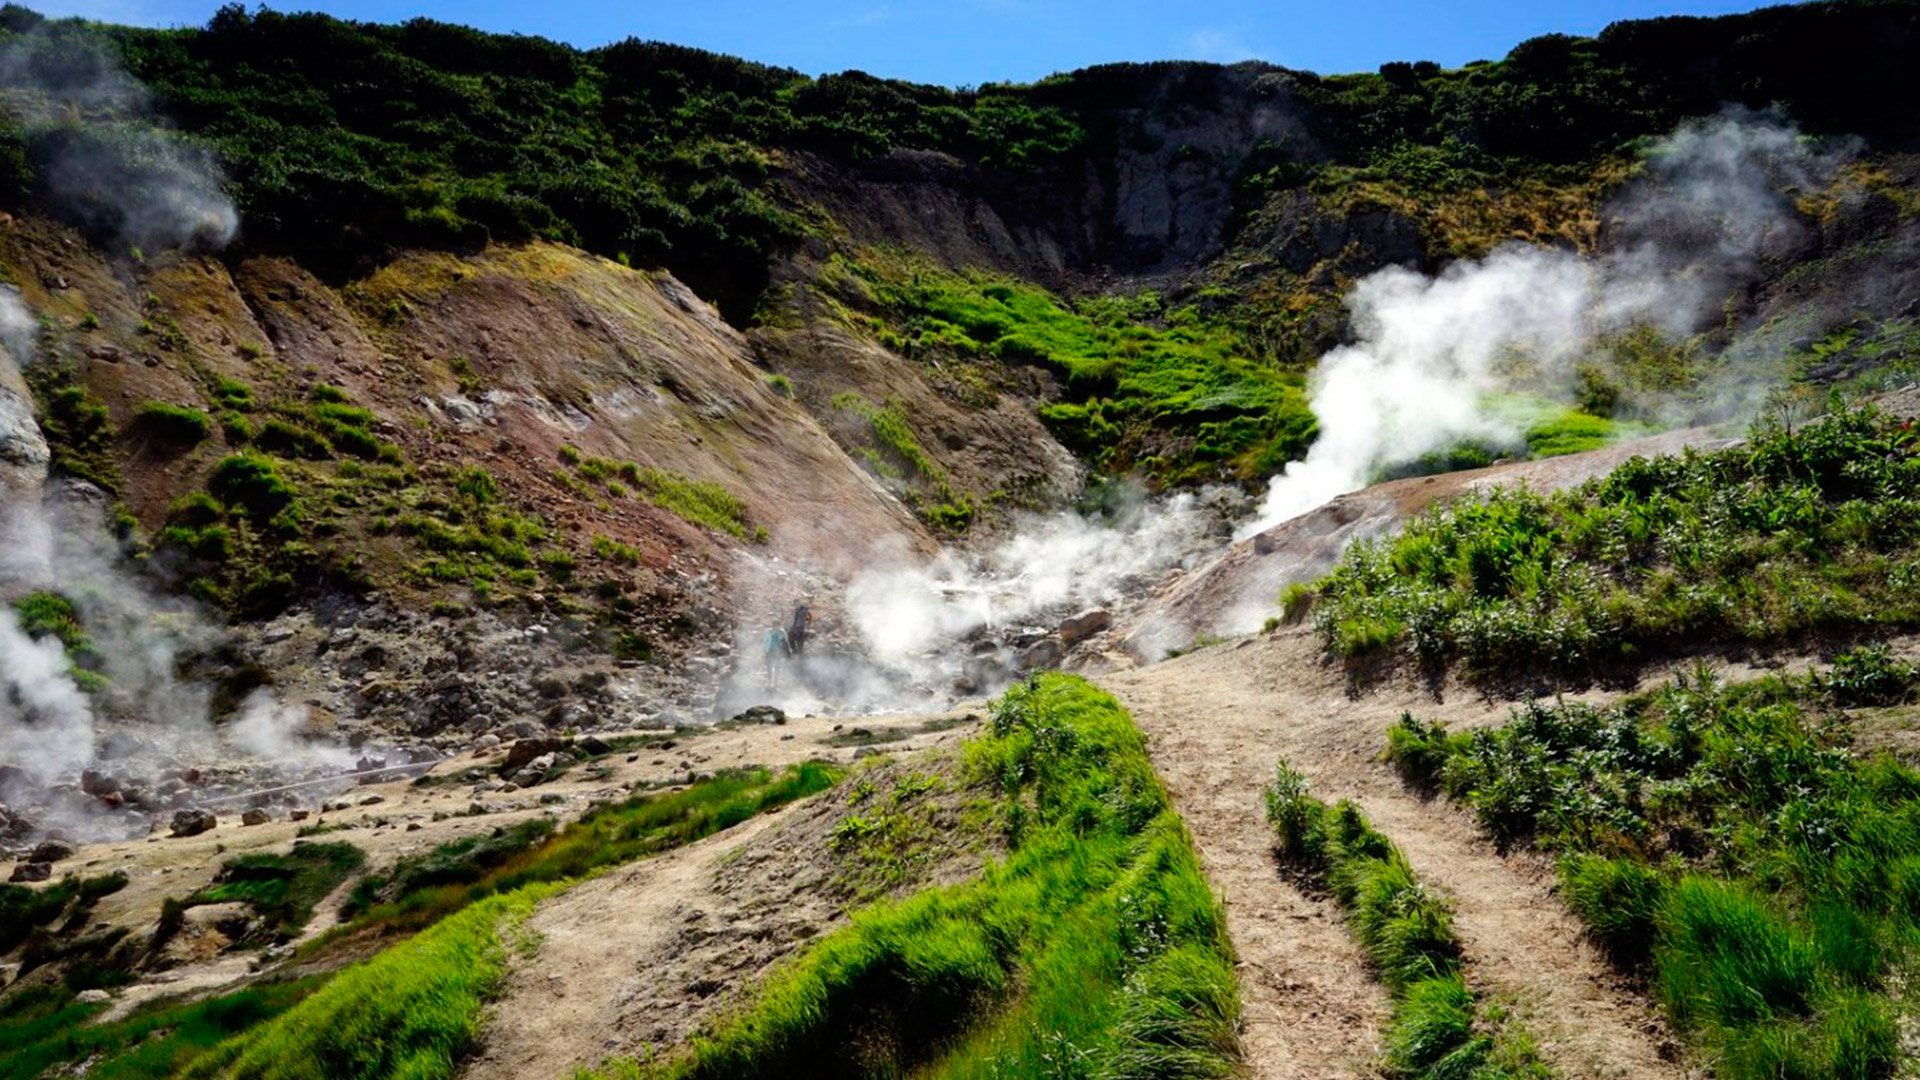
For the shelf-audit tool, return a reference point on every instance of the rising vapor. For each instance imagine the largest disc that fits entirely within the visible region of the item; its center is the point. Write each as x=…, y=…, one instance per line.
x=1431, y=351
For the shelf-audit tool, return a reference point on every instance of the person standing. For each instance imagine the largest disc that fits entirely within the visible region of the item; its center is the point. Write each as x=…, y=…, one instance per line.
x=797, y=629
x=775, y=647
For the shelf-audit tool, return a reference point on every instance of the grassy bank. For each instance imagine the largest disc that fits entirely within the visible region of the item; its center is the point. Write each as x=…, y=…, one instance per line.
x=1094, y=949
x=1440, y=1029
x=1724, y=844
x=1160, y=389
x=421, y=890
x=1799, y=532
x=47, y=1029
x=410, y=1012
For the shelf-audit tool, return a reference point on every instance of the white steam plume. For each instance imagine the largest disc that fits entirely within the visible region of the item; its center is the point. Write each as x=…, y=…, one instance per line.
x=918, y=632
x=103, y=159
x=1430, y=351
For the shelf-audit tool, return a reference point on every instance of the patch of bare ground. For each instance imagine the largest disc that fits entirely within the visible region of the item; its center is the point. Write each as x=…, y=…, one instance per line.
x=1216, y=722
x=395, y=819
x=631, y=963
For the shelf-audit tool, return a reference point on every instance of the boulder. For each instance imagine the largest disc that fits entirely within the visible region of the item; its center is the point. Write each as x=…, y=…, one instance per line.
x=51, y=851
x=535, y=770
x=1084, y=625
x=1042, y=654
x=256, y=816
x=193, y=822
x=93, y=997
x=299, y=815
x=760, y=714
x=524, y=751
x=31, y=871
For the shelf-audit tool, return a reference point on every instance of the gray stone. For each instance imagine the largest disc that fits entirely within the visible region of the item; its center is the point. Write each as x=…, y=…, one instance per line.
x=193, y=822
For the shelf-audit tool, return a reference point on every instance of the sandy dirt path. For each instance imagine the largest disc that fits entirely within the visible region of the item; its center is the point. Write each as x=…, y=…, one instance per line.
x=562, y=1008
x=1217, y=720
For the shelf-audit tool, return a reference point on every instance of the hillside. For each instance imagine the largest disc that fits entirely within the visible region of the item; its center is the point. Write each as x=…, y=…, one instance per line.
x=522, y=560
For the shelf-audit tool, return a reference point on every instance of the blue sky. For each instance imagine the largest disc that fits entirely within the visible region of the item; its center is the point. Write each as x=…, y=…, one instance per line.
x=958, y=42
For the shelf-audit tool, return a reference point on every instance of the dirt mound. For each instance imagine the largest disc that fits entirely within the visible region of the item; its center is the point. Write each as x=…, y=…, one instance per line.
x=632, y=962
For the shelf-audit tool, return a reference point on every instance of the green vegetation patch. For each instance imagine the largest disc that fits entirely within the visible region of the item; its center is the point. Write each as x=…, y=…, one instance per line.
x=42, y=1029
x=1150, y=388
x=422, y=890
x=50, y=614
x=179, y=425
x=22, y=908
x=1095, y=948
x=1800, y=531
x=412, y=1011
x=283, y=889
x=1440, y=1029
x=1724, y=842
x=897, y=453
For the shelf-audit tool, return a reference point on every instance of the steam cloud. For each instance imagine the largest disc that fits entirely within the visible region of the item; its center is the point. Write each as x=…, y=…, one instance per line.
x=145, y=715
x=49, y=726
x=959, y=623
x=1431, y=350
x=103, y=160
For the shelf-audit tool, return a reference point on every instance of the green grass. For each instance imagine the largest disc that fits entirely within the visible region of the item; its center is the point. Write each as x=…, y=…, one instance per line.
x=23, y=908
x=1799, y=532
x=898, y=452
x=50, y=614
x=1150, y=388
x=421, y=891
x=177, y=424
x=701, y=502
x=412, y=1011
x=1095, y=948
x=1725, y=844
x=156, y=1041
x=1439, y=1030
x=283, y=889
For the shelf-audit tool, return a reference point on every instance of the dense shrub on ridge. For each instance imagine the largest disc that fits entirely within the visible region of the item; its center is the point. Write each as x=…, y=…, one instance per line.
x=1795, y=533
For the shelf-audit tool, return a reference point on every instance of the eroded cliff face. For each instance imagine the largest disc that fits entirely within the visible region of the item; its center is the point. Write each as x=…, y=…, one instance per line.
x=607, y=409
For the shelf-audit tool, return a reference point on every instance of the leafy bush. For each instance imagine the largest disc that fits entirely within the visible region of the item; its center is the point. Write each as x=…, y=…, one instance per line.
x=1724, y=838
x=1800, y=531
x=253, y=484
x=1870, y=675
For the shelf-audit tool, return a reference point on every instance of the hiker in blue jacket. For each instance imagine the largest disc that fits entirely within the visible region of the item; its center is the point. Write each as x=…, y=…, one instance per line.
x=775, y=648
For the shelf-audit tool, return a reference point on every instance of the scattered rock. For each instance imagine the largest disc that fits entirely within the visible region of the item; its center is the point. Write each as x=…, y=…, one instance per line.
x=93, y=997
x=193, y=822
x=51, y=851
x=525, y=751
x=255, y=816
x=1084, y=625
x=32, y=871
x=760, y=714
x=299, y=815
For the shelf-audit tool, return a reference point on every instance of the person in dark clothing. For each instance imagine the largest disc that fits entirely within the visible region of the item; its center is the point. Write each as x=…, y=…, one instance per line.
x=797, y=630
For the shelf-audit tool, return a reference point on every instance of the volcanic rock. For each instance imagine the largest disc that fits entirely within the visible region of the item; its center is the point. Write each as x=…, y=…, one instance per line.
x=32, y=871
x=51, y=851
x=193, y=822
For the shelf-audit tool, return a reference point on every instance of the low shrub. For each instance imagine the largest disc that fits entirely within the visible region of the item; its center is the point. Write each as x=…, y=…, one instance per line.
x=175, y=424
